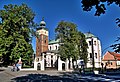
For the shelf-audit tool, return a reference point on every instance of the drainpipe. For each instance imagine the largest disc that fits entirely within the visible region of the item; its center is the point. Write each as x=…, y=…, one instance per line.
x=92, y=47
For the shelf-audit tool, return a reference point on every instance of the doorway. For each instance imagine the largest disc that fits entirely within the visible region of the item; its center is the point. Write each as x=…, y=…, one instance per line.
x=38, y=66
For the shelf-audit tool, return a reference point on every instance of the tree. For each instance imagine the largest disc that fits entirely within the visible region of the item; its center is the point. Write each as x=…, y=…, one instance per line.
x=83, y=47
x=16, y=31
x=71, y=41
x=100, y=6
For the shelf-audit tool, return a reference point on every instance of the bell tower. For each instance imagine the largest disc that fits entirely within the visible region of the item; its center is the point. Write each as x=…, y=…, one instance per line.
x=42, y=39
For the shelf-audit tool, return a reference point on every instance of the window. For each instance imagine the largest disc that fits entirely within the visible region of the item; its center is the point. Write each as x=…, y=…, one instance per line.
x=45, y=41
x=90, y=55
x=50, y=47
x=96, y=55
x=94, y=42
x=44, y=56
x=111, y=63
x=51, y=56
x=90, y=43
x=56, y=47
x=106, y=63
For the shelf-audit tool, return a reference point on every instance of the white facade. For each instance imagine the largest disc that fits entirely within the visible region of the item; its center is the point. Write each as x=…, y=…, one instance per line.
x=50, y=59
x=42, y=32
x=54, y=45
x=93, y=40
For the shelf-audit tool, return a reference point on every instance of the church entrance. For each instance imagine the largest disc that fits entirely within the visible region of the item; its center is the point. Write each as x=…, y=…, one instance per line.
x=38, y=66
x=63, y=66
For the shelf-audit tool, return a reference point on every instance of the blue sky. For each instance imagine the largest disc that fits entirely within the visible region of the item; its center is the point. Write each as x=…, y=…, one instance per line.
x=54, y=11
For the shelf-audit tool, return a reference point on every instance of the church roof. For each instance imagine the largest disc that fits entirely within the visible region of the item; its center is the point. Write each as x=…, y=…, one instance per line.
x=116, y=55
x=42, y=23
x=107, y=56
x=89, y=35
x=54, y=41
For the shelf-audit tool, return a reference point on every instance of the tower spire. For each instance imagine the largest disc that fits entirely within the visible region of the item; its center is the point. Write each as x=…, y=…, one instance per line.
x=42, y=18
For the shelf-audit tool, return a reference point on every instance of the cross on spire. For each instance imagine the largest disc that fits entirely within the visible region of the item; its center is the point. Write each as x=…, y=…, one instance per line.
x=42, y=18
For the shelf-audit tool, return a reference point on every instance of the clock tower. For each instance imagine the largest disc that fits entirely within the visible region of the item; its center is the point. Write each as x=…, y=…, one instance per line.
x=42, y=39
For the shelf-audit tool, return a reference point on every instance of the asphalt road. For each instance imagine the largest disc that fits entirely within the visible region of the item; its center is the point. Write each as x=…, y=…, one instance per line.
x=53, y=76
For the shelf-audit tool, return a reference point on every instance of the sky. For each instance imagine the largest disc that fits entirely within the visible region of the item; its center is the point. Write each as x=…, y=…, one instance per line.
x=53, y=11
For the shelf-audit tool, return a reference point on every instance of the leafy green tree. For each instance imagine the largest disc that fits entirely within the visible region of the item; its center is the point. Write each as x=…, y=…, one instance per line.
x=71, y=41
x=82, y=44
x=100, y=7
x=16, y=31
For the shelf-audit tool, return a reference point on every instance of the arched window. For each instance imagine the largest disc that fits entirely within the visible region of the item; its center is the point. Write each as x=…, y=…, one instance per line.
x=90, y=55
x=96, y=55
x=94, y=42
x=45, y=41
x=50, y=47
x=56, y=47
x=90, y=43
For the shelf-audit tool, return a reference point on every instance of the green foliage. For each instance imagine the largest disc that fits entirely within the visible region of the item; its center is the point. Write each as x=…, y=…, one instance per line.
x=83, y=47
x=99, y=5
x=72, y=42
x=16, y=30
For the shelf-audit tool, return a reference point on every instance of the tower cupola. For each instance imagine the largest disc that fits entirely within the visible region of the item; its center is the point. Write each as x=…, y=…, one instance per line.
x=42, y=23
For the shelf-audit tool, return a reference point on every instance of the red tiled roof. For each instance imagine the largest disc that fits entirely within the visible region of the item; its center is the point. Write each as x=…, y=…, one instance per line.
x=116, y=55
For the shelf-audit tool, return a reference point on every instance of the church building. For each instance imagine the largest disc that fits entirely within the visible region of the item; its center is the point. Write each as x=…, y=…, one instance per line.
x=46, y=51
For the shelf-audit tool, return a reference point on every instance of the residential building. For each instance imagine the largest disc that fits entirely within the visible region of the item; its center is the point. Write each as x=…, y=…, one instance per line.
x=111, y=60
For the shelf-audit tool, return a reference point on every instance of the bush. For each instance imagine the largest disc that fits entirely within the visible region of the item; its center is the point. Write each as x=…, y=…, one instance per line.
x=88, y=69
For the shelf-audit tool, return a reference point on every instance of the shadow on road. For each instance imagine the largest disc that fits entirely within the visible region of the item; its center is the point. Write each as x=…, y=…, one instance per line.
x=44, y=78
x=66, y=77
x=1, y=70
